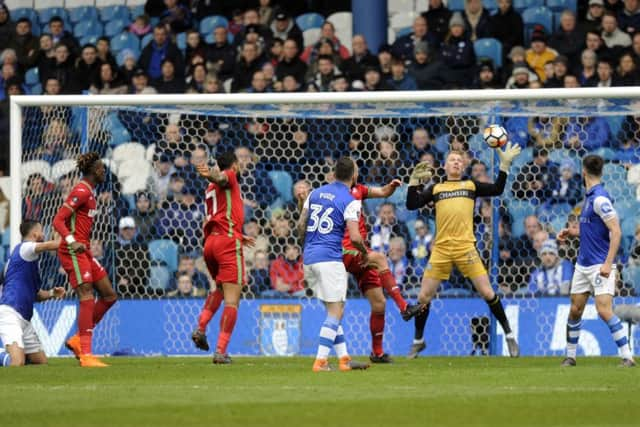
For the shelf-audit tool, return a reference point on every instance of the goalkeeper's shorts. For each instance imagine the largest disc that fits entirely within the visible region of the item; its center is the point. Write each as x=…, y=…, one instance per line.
x=466, y=258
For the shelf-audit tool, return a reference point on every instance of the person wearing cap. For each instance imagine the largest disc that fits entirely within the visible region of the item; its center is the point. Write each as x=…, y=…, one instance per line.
x=629, y=17
x=568, y=189
x=539, y=53
x=355, y=66
x=426, y=70
x=486, y=78
x=24, y=43
x=404, y=46
x=140, y=83
x=593, y=19
x=553, y=277
x=568, y=39
x=400, y=80
x=131, y=259
x=457, y=53
x=438, y=16
x=612, y=35
x=477, y=20
x=520, y=76
x=507, y=26
x=560, y=67
x=284, y=27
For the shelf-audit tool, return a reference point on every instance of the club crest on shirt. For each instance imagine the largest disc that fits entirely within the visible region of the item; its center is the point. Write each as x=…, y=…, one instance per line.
x=74, y=200
x=92, y=213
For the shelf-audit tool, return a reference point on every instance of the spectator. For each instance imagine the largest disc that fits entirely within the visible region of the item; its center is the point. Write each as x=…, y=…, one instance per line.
x=60, y=35
x=131, y=260
x=8, y=74
x=553, y=277
x=546, y=131
x=421, y=246
x=220, y=55
x=425, y=69
x=400, y=80
x=520, y=77
x=569, y=247
x=614, y=37
x=157, y=51
x=103, y=46
x=7, y=26
x=628, y=153
x=161, y=176
x=46, y=55
x=588, y=74
x=212, y=84
x=252, y=229
x=285, y=28
x=384, y=58
x=259, y=280
x=185, y=288
x=62, y=70
x=140, y=83
x=386, y=227
x=38, y=190
x=593, y=20
x=197, y=79
x=144, y=216
x=539, y=54
x=524, y=249
x=196, y=50
x=614, y=5
x=253, y=32
x=286, y=272
x=584, y=134
x=535, y=181
x=507, y=26
x=634, y=249
x=245, y=67
x=56, y=142
x=629, y=17
x=635, y=47
x=140, y=26
x=568, y=188
x=176, y=16
x=154, y=8
x=109, y=82
x=627, y=72
x=437, y=17
x=355, y=66
x=404, y=46
x=386, y=160
x=420, y=143
x=339, y=83
x=325, y=47
x=399, y=264
x=326, y=71
x=276, y=51
x=266, y=12
x=477, y=20
x=560, y=68
x=373, y=80
x=181, y=221
x=24, y=43
x=457, y=53
x=87, y=67
x=187, y=265
x=280, y=228
x=327, y=31
x=257, y=188
x=594, y=42
x=568, y=40
x=605, y=76
x=290, y=84
x=291, y=64
x=169, y=81
x=487, y=78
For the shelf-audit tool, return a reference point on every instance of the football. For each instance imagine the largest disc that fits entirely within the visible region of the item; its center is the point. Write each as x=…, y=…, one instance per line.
x=495, y=136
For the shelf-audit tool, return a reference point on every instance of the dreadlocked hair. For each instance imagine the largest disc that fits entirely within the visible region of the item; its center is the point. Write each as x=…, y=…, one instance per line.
x=86, y=161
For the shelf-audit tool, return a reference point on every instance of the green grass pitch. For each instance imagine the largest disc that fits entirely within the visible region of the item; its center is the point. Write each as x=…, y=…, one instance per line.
x=267, y=392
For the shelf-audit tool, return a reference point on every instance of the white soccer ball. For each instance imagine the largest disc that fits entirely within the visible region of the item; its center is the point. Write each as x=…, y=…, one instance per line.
x=495, y=136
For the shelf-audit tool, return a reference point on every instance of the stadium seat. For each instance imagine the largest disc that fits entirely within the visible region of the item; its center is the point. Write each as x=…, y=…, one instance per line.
x=92, y=39
x=129, y=151
x=146, y=40
x=402, y=20
x=562, y=5
x=82, y=14
x=61, y=168
x=119, y=135
x=612, y=172
x=560, y=155
x=35, y=89
x=519, y=210
x=490, y=48
x=456, y=5
x=631, y=275
x=606, y=153
x=111, y=13
x=476, y=142
x=133, y=4
x=136, y=11
x=88, y=28
x=47, y=14
x=309, y=20
x=26, y=12
x=208, y=24
x=442, y=143
x=35, y=166
x=558, y=223
x=615, y=123
x=47, y=4
x=159, y=277
x=181, y=41
x=628, y=226
x=125, y=40
x=136, y=182
x=18, y=4
x=490, y=5
x=403, y=32
x=32, y=77
x=391, y=36
x=526, y=156
x=521, y=5
x=283, y=183
x=164, y=250
x=115, y=27
x=395, y=7
x=343, y=21
x=537, y=16
x=311, y=36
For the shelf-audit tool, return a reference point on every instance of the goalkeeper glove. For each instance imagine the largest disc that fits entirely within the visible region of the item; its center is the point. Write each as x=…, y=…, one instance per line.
x=507, y=155
x=422, y=172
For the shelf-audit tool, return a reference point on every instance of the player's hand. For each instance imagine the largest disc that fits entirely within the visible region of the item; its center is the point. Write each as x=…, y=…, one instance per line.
x=422, y=172
x=395, y=183
x=78, y=247
x=563, y=234
x=507, y=155
x=58, y=292
x=605, y=270
x=364, y=260
x=203, y=170
x=248, y=241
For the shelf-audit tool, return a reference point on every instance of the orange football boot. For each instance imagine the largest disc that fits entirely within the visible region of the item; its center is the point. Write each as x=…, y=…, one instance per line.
x=91, y=361
x=321, y=365
x=346, y=364
x=73, y=344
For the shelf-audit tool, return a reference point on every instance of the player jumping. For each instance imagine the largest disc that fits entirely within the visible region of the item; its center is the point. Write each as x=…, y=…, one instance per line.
x=454, y=244
x=73, y=222
x=20, y=290
x=326, y=213
x=595, y=272
x=222, y=251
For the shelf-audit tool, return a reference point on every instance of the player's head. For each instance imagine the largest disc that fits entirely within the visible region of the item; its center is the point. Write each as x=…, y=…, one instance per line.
x=346, y=170
x=227, y=160
x=31, y=230
x=592, y=166
x=92, y=166
x=454, y=164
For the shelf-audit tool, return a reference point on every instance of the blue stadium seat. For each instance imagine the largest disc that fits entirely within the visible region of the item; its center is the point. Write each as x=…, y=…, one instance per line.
x=115, y=27
x=125, y=40
x=92, y=39
x=442, y=143
x=283, y=183
x=562, y=5
x=631, y=275
x=26, y=12
x=309, y=20
x=605, y=153
x=519, y=210
x=181, y=41
x=615, y=123
x=110, y=13
x=32, y=77
x=208, y=24
x=403, y=32
x=159, y=277
x=88, y=28
x=166, y=251
x=456, y=5
x=136, y=11
x=537, y=16
x=119, y=135
x=82, y=14
x=626, y=207
x=558, y=223
x=476, y=142
x=614, y=173
x=35, y=89
x=490, y=48
x=47, y=14
x=146, y=40
x=526, y=155
x=521, y=5
x=490, y=5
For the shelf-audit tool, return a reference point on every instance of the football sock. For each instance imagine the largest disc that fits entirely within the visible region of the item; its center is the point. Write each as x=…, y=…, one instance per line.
x=102, y=306
x=5, y=358
x=211, y=305
x=376, y=324
x=389, y=284
x=339, y=344
x=495, y=305
x=328, y=333
x=85, y=324
x=619, y=336
x=227, y=323
x=573, y=334
x=420, y=322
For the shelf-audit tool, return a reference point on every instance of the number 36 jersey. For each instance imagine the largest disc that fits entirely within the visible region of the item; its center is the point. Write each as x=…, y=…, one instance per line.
x=329, y=207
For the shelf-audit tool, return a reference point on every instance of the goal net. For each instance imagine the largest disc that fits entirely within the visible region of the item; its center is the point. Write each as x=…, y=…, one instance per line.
x=148, y=231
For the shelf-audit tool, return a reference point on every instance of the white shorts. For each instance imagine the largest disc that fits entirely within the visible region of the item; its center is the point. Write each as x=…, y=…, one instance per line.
x=14, y=329
x=588, y=279
x=328, y=280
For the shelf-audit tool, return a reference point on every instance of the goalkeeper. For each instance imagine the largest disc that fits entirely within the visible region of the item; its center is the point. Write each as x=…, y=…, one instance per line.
x=454, y=243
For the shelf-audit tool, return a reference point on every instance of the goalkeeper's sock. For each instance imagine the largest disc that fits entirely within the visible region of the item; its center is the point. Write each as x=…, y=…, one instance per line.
x=620, y=337
x=101, y=307
x=328, y=333
x=389, y=284
x=376, y=324
x=339, y=343
x=227, y=323
x=420, y=321
x=85, y=324
x=211, y=305
x=573, y=334
x=495, y=305
x=5, y=358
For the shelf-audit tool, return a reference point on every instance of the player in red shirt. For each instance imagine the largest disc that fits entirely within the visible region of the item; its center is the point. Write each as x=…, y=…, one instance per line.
x=73, y=222
x=222, y=251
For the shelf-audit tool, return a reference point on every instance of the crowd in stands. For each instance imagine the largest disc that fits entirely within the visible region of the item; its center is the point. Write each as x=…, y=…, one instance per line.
x=258, y=47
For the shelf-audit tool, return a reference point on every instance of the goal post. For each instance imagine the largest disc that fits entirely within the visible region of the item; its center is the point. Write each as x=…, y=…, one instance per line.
x=291, y=137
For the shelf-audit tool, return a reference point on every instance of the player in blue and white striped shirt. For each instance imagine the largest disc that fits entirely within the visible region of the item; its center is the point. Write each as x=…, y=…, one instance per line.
x=595, y=272
x=20, y=290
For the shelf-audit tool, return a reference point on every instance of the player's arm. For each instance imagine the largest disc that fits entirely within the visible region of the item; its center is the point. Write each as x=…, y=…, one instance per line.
x=301, y=226
x=604, y=209
x=57, y=292
x=74, y=201
x=383, y=192
x=51, y=245
x=352, y=218
x=485, y=189
x=213, y=174
x=418, y=196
